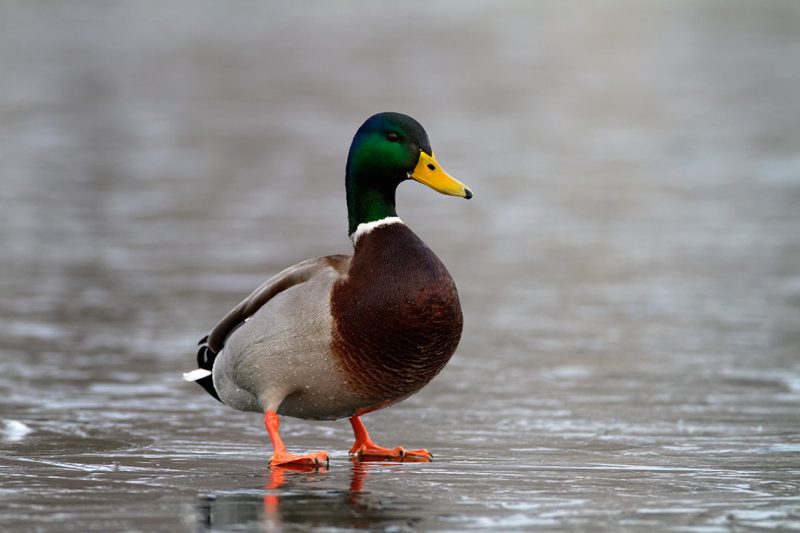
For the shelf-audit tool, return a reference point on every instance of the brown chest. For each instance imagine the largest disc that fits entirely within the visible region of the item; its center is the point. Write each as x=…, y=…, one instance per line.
x=397, y=317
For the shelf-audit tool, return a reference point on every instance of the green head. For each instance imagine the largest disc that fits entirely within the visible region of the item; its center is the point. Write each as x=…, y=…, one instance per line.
x=388, y=149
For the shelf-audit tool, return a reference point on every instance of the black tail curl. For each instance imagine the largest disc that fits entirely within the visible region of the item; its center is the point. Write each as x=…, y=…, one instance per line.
x=205, y=360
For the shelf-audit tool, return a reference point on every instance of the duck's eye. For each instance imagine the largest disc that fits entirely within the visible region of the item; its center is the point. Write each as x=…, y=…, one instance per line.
x=392, y=137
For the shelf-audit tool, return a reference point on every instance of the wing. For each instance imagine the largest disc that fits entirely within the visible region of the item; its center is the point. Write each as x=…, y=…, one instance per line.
x=211, y=344
x=294, y=275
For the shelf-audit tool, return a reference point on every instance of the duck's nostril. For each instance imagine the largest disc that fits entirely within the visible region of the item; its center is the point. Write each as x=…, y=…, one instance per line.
x=431, y=166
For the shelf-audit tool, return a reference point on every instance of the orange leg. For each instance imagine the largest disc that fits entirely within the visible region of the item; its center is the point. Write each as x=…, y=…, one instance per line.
x=280, y=456
x=364, y=448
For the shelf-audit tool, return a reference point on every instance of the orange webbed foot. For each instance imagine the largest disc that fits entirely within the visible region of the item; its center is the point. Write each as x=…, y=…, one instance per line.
x=290, y=460
x=284, y=459
x=371, y=451
x=365, y=449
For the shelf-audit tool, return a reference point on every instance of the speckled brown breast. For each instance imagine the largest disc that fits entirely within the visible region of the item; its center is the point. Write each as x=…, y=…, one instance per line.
x=397, y=318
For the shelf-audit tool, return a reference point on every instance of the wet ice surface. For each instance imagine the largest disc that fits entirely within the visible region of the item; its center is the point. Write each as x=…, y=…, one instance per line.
x=629, y=267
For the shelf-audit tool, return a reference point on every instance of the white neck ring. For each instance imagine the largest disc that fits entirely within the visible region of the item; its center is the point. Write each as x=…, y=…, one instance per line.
x=366, y=227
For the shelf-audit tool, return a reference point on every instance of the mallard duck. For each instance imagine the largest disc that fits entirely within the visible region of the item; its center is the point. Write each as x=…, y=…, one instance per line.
x=341, y=336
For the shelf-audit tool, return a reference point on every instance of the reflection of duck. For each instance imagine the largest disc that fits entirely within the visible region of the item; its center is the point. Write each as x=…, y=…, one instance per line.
x=277, y=479
x=341, y=336
x=302, y=498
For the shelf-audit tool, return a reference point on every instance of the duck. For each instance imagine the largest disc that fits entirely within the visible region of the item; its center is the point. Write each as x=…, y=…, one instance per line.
x=342, y=336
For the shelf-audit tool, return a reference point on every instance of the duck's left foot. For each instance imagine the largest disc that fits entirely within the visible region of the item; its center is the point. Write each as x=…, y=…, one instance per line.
x=366, y=449
x=310, y=460
x=372, y=451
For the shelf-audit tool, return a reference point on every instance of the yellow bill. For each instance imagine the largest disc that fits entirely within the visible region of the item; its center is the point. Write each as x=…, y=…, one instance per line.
x=431, y=174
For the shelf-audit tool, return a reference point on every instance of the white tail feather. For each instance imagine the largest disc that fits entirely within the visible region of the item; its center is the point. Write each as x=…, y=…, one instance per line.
x=194, y=375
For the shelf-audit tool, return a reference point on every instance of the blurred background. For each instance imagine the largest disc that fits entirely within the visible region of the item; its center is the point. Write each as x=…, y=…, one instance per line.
x=629, y=267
